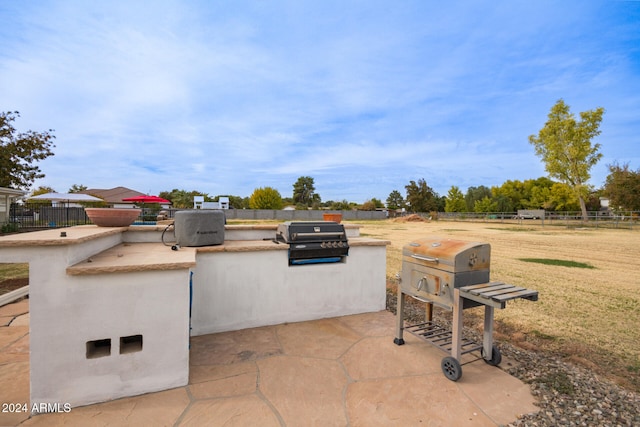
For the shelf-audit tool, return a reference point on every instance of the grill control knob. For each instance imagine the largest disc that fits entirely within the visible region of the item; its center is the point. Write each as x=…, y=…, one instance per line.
x=473, y=258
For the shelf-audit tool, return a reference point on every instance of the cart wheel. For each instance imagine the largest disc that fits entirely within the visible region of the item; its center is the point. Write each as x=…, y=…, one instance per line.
x=451, y=368
x=496, y=357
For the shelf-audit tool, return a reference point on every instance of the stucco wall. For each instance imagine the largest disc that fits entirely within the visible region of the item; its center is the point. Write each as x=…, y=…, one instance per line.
x=248, y=285
x=237, y=290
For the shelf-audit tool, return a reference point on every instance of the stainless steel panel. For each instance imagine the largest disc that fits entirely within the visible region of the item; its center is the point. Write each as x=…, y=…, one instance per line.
x=448, y=254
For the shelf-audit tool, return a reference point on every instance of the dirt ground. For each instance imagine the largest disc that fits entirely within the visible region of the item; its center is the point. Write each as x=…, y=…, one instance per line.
x=587, y=315
x=9, y=285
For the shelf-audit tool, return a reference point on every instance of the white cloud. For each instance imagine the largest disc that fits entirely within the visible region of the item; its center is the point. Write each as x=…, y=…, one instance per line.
x=225, y=98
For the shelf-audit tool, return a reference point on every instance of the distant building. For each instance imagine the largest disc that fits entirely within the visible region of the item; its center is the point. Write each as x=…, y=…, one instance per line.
x=199, y=203
x=6, y=197
x=114, y=196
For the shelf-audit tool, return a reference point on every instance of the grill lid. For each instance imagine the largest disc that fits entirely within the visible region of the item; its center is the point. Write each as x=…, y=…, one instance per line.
x=314, y=241
x=448, y=254
x=310, y=231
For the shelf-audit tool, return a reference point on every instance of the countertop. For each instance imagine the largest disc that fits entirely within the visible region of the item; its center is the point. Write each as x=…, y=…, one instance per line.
x=83, y=233
x=270, y=245
x=53, y=237
x=132, y=257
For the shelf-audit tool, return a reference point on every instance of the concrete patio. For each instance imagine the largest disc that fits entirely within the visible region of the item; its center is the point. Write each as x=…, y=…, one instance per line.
x=342, y=371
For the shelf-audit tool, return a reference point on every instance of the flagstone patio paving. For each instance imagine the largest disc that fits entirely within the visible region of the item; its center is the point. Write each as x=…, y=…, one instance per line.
x=343, y=371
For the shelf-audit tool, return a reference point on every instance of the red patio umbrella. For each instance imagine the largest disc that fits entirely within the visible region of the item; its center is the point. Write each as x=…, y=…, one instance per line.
x=146, y=199
x=143, y=199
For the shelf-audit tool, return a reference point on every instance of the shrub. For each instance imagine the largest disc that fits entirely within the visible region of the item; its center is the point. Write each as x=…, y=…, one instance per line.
x=265, y=198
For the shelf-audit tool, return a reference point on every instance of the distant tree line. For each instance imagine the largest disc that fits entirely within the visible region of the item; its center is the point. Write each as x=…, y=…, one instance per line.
x=563, y=144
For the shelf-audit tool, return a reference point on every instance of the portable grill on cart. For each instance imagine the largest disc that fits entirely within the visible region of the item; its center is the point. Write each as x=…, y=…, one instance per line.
x=313, y=242
x=454, y=275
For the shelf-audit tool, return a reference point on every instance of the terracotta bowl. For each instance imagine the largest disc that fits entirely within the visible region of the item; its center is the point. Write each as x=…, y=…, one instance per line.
x=332, y=217
x=112, y=217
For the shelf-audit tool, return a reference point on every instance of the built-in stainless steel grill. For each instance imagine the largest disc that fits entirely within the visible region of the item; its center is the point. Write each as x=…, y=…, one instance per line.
x=313, y=242
x=454, y=275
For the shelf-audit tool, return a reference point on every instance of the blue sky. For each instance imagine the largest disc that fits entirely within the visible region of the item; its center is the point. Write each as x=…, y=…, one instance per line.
x=364, y=96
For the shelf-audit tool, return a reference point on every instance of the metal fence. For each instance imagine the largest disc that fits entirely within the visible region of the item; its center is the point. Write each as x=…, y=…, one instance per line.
x=595, y=219
x=26, y=217
x=34, y=216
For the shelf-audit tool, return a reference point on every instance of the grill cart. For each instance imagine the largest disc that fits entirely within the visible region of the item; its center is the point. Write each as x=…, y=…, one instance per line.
x=454, y=275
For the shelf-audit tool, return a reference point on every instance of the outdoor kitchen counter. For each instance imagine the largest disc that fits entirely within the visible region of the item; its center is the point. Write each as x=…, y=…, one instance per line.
x=270, y=245
x=162, y=232
x=161, y=225
x=53, y=237
x=131, y=257
x=98, y=293
x=85, y=233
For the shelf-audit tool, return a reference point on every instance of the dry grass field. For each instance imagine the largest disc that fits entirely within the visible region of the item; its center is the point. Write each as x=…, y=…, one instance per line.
x=590, y=316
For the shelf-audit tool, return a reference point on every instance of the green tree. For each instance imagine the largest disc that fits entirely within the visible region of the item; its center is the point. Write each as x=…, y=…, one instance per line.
x=240, y=202
x=622, y=187
x=561, y=197
x=503, y=204
x=304, y=192
x=509, y=195
x=20, y=151
x=344, y=205
x=485, y=205
x=455, y=200
x=368, y=206
x=372, y=205
x=77, y=188
x=43, y=189
x=474, y=194
x=536, y=193
x=539, y=198
x=265, y=198
x=564, y=145
x=395, y=200
x=182, y=199
x=421, y=197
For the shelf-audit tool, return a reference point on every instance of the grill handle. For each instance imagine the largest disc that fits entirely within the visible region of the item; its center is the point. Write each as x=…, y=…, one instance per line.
x=320, y=234
x=425, y=258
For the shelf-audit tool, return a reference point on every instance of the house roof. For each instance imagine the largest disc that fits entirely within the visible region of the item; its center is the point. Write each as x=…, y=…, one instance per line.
x=11, y=192
x=113, y=195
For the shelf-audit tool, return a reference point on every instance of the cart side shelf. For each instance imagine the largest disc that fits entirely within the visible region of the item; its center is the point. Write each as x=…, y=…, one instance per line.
x=496, y=294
